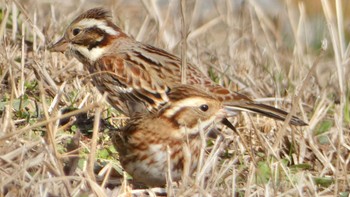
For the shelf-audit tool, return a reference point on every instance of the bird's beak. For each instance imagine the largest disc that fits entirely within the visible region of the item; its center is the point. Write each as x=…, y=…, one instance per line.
x=59, y=46
x=226, y=113
x=229, y=124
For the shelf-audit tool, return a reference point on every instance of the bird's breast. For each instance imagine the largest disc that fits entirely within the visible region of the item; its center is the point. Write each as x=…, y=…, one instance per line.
x=147, y=157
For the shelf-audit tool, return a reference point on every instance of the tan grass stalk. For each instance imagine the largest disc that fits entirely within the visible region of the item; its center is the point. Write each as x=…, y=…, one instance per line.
x=3, y=24
x=42, y=123
x=94, y=139
x=183, y=41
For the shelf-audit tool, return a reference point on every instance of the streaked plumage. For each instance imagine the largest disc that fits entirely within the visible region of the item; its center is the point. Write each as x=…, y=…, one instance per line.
x=144, y=142
x=137, y=76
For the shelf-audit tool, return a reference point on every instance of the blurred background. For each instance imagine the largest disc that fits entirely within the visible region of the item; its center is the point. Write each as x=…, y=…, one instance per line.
x=292, y=54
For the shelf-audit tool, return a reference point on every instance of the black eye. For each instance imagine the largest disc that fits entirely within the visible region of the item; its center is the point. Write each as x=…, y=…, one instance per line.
x=76, y=31
x=204, y=107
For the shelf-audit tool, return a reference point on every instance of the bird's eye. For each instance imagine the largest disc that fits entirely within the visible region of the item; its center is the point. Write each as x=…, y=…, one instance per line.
x=76, y=31
x=204, y=107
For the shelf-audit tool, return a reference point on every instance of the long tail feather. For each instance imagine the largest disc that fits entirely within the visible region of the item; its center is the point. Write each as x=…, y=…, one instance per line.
x=265, y=110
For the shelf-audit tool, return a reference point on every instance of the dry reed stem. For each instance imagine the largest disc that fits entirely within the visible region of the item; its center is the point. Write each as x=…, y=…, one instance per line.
x=274, y=56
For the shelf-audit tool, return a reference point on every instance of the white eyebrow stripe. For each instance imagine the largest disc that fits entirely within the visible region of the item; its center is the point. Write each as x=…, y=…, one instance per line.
x=188, y=102
x=90, y=22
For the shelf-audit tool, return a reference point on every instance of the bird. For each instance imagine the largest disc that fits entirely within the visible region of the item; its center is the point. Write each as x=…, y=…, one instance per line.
x=150, y=140
x=136, y=76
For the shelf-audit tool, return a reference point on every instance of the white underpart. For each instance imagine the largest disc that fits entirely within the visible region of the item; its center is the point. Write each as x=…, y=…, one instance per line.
x=90, y=22
x=189, y=102
x=142, y=171
x=93, y=54
x=157, y=149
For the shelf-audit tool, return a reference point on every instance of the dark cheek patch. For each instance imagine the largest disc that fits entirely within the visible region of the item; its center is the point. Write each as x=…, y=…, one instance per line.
x=93, y=37
x=105, y=40
x=94, y=40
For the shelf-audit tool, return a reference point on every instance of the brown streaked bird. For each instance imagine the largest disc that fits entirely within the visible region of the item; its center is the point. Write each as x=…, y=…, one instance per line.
x=144, y=143
x=137, y=76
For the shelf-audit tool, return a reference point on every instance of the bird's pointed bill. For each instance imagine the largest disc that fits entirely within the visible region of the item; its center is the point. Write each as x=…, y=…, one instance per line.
x=60, y=46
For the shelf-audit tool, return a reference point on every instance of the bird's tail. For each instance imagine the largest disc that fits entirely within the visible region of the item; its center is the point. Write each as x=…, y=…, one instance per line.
x=263, y=109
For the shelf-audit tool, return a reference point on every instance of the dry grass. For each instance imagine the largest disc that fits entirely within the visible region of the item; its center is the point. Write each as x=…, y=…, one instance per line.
x=283, y=53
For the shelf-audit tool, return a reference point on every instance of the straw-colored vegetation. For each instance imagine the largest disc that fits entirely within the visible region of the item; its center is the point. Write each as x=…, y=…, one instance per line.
x=291, y=54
